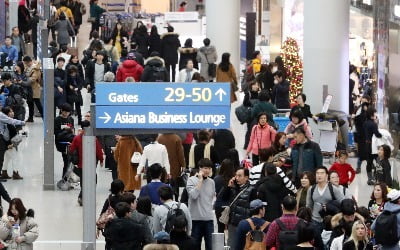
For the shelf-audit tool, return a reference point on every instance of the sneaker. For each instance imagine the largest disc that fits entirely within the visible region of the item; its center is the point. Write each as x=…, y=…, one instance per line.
x=80, y=201
x=29, y=120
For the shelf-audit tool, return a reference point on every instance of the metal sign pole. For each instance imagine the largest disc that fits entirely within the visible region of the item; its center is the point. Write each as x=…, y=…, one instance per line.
x=48, y=120
x=89, y=190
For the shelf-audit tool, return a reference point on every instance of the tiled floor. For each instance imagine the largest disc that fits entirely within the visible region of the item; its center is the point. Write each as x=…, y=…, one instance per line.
x=57, y=212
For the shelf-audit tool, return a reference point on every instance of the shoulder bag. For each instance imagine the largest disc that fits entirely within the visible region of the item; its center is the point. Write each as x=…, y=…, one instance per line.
x=212, y=68
x=224, y=218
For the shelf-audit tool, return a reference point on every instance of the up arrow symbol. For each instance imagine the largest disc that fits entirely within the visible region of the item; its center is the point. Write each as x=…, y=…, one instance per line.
x=221, y=93
x=106, y=117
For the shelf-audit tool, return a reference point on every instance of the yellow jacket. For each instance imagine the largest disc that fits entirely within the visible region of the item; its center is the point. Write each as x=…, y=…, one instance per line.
x=256, y=65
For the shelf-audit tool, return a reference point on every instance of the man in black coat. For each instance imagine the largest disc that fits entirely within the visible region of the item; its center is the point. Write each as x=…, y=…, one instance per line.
x=169, y=50
x=280, y=92
x=122, y=231
x=95, y=73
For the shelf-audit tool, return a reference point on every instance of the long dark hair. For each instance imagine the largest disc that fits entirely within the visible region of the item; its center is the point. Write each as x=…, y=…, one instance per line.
x=276, y=145
x=224, y=65
x=227, y=170
x=189, y=43
x=19, y=206
x=154, y=30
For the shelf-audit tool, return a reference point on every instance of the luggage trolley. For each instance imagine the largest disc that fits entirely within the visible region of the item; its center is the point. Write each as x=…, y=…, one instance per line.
x=328, y=136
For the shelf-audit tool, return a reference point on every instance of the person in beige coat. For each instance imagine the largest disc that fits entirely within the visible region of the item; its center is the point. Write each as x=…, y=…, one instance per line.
x=176, y=158
x=28, y=228
x=124, y=150
x=34, y=75
x=226, y=73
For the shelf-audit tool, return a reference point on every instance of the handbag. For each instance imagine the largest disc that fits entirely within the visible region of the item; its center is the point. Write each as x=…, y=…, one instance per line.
x=91, y=20
x=135, y=159
x=224, y=218
x=212, y=68
x=105, y=217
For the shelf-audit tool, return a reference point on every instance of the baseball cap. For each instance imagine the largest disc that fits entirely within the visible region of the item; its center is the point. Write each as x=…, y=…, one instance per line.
x=254, y=204
x=161, y=236
x=394, y=195
x=131, y=56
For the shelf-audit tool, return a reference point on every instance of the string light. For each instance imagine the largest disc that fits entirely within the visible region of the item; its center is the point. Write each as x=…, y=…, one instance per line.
x=294, y=67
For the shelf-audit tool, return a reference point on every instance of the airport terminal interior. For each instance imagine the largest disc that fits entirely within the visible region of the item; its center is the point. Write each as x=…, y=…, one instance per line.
x=371, y=43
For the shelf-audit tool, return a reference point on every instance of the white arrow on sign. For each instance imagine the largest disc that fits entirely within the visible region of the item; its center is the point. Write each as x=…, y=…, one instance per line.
x=106, y=117
x=221, y=93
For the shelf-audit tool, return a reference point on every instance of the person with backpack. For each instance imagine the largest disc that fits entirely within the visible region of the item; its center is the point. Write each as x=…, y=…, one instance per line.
x=387, y=225
x=179, y=235
x=154, y=69
x=95, y=70
x=282, y=232
x=207, y=56
x=250, y=232
x=201, y=192
x=111, y=53
x=164, y=216
x=129, y=68
x=320, y=197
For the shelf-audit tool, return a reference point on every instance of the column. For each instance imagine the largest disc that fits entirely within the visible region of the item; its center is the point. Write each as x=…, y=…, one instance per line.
x=48, y=124
x=326, y=53
x=223, y=28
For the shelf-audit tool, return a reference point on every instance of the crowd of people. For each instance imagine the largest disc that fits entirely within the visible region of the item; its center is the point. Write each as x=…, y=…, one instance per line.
x=285, y=199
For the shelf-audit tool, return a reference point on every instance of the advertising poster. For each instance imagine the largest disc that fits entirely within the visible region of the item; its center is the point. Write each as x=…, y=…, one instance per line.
x=294, y=21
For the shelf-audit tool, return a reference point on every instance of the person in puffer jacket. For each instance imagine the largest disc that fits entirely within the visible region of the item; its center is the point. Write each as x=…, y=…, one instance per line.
x=154, y=69
x=240, y=193
x=297, y=120
x=262, y=136
x=28, y=228
x=129, y=68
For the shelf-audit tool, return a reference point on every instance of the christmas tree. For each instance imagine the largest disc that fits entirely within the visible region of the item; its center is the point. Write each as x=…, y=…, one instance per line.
x=294, y=67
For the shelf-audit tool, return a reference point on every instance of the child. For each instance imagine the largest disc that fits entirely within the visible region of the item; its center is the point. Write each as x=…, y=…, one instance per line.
x=383, y=168
x=345, y=170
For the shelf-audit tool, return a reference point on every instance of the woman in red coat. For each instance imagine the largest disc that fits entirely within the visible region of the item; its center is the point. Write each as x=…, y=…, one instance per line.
x=262, y=136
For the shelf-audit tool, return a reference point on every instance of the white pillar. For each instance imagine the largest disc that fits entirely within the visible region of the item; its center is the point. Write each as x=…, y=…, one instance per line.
x=326, y=52
x=12, y=15
x=223, y=28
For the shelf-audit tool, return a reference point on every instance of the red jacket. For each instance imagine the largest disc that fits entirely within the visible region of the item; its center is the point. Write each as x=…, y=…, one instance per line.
x=129, y=68
x=76, y=144
x=261, y=138
x=343, y=171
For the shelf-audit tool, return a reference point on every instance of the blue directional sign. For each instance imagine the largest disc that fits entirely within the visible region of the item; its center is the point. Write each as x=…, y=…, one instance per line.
x=162, y=105
x=158, y=117
x=160, y=94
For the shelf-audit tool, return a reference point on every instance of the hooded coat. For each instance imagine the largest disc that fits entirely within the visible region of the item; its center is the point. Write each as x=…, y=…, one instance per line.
x=169, y=47
x=152, y=65
x=129, y=68
x=206, y=55
x=188, y=54
x=124, y=150
x=124, y=234
x=272, y=190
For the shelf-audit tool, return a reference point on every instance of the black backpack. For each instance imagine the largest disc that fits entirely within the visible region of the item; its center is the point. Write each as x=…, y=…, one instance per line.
x=158, y=74
x=332, y=207
x=386, y=228
x=288, y=239
x=174, y=212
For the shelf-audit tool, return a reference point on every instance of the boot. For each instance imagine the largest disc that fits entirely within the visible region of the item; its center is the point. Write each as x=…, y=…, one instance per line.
x=16, y=176
x=4, y=175
x=370, y=180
